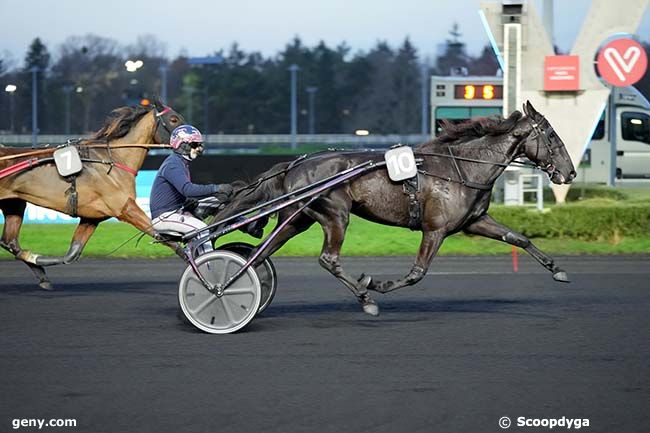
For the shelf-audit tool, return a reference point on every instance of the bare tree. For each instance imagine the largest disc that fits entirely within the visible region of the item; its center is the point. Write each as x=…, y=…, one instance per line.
x=93, y=66
x=147, y=45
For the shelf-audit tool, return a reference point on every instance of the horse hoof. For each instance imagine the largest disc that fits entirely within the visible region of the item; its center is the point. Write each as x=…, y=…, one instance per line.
x=561, y=276
x=371, y=308
x=46, y=285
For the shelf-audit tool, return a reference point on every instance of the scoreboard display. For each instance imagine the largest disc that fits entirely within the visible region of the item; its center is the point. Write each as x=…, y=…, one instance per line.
x=460, y=98
x=478, y=91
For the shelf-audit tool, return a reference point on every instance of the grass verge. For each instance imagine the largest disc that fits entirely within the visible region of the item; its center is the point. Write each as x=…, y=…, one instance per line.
x=363, y=238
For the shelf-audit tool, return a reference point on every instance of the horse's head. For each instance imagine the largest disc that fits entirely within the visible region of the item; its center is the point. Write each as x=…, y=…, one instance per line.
x=545, y=148
x=166, y=121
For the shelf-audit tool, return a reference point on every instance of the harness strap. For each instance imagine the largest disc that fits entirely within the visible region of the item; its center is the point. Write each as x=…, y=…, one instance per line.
x=453, y=159
x=125, y=168
x=73, y=196
x=33, y=162
x=411, y=187
x=112, y=164
x=16, y=168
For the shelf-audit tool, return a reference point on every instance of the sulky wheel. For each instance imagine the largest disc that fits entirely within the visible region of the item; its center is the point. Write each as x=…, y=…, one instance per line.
x=265, y=271
x=228, y=313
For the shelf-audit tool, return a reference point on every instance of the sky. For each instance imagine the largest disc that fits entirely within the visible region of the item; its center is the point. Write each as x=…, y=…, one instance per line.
x=201, y=27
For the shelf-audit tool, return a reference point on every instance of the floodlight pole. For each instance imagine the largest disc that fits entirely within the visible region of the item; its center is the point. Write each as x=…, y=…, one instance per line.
x=311, y=90
x=163, y=82
x=424, y=130
x=12, y=107
x=294, y=105
x=34, y=71
x=11, y=89
x=67, y=90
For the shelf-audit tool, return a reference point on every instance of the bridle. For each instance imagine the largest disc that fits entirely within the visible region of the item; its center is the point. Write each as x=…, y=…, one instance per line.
x=486, y=186
x=541, y=130
x=542, y=134
x=160, y=121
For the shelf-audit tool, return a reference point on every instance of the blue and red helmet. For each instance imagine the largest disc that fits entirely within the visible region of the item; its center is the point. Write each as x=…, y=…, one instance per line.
x=185, y=134
x=187, y=141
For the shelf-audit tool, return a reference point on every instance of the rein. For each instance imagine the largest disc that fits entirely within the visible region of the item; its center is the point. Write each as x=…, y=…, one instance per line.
x=461, y=179
x=92, y=145
x=33, y=161
x=450, y=155
x=296, y=162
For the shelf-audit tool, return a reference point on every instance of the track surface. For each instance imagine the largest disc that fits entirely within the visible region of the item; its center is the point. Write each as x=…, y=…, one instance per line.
x=470, y=343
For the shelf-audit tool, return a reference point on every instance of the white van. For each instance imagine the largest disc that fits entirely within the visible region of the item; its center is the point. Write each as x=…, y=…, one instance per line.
x=632, y=140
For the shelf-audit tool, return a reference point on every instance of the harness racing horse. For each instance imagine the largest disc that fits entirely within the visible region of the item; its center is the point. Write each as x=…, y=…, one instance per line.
x=456, y=176
x=105, y=187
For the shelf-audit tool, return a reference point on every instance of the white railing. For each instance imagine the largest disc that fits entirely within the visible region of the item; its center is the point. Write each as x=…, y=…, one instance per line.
x=251, y=140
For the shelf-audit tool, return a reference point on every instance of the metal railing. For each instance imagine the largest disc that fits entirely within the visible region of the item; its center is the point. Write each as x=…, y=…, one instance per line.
x=250, y=141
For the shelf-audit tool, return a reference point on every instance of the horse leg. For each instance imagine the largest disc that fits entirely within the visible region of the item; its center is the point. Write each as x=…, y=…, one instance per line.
x=488, y=227
x=334, y=225
x=80, y=238
x=132, y=214
x=13, y=211
x=429, y=245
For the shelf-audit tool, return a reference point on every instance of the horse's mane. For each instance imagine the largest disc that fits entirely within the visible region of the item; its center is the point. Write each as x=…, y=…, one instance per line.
x=475, y=128
x=119, y=122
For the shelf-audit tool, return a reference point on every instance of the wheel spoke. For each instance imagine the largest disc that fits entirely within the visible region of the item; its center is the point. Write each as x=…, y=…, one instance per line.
x=193, y=277
x=241, y=291
x=224, y=275
x=226, y=308
x=203, y=305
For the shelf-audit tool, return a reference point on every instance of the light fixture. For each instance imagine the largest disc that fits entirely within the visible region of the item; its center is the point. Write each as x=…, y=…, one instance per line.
x=362, y=132
x=636, y=121
x=10, y=88
x=133, y=66
x=79, y=89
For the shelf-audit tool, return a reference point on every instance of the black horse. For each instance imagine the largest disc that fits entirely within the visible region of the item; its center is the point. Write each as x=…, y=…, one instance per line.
x=456, y=177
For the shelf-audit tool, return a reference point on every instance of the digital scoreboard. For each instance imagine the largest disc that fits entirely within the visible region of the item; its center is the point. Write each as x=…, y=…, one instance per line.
x=478, y=91
x=460, y=98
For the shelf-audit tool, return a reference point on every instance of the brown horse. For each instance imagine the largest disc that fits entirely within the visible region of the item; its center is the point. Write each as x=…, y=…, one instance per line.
x=456, y=177
x=104, y=189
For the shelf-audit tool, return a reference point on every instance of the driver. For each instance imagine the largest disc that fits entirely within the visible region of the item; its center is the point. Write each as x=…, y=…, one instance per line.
x=173, y=186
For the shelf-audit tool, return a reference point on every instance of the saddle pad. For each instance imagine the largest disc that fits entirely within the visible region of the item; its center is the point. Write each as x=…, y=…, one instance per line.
x=401, y=164
x=67, y=161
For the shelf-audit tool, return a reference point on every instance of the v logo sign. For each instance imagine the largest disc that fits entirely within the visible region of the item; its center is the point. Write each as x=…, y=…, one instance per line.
x=622, y=65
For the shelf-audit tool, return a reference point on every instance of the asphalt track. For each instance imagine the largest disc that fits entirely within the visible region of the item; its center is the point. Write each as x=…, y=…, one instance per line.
x=469, y=344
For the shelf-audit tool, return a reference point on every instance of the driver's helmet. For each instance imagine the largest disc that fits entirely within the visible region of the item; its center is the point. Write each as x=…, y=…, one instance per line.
x=187, y=141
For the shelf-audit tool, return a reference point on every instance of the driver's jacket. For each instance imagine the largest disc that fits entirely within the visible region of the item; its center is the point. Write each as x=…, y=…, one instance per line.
x=173, y=186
